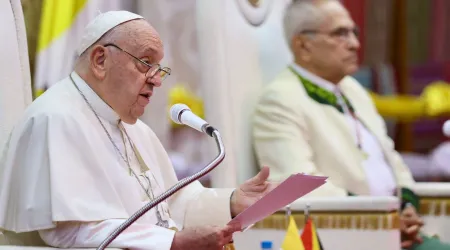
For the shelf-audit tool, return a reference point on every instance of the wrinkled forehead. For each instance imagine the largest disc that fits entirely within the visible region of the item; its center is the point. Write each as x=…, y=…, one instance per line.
x=150, y=41
x=151, y=47
x=335, y=16
x=144, y=39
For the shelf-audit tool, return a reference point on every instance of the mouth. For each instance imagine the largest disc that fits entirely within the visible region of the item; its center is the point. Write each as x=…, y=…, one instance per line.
x=146, y=95
x=352, y=58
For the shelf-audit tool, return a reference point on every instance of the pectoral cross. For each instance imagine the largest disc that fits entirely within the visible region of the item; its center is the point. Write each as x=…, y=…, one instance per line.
x=149, y=190
x=161, y=222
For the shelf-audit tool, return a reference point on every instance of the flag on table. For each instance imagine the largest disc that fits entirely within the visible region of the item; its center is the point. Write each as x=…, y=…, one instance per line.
x=61, y=26
x=310, y=238
x=292, y=240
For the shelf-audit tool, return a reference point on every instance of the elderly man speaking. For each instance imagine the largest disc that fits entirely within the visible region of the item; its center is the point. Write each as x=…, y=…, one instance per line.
x=315, y=118
x=79, y=162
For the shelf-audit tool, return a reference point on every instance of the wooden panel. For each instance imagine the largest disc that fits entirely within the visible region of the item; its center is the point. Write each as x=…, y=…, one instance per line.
x=404, y=140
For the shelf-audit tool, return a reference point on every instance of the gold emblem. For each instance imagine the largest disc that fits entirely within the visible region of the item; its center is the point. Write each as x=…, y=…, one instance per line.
x=255, y=3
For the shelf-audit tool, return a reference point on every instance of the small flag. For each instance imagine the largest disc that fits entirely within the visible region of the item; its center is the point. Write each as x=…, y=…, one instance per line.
x=291, y=240
x=310, y=238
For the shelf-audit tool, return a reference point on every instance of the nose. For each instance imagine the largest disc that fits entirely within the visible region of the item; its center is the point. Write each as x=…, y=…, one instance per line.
x=354, y=42
x=155, y=80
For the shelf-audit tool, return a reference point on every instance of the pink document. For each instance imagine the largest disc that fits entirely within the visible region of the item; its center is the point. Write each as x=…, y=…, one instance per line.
x=285, y=193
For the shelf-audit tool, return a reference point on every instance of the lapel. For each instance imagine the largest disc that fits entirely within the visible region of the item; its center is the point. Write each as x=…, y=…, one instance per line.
x=327, y=97
x=368, y=116
x=364, y=115
x=322, y=95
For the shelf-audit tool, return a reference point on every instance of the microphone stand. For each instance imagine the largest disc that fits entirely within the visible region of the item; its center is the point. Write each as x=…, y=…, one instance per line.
x=184, y=182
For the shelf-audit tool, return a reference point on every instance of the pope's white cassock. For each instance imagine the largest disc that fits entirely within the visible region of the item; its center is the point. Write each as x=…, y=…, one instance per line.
x=64, y=181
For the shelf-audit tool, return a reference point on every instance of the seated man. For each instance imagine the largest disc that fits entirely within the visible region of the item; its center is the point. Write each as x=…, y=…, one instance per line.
x=316, y=119
x=79, y=162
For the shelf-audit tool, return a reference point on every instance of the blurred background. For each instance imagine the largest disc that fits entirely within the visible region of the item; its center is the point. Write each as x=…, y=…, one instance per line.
x=405, y=49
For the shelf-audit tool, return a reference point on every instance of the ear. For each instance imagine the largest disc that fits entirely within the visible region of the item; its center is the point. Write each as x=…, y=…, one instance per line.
x=302, y=47
x=98, y=61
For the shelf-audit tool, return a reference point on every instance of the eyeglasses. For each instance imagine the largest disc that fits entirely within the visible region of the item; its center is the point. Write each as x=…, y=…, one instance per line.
x=153, y=69
x=340, y=33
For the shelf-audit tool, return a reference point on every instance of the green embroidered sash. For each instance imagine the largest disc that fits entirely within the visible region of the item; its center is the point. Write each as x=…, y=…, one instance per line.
x=322, y=95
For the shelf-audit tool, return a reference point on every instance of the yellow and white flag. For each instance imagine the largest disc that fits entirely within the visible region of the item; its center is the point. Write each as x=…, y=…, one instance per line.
x=292, y=239
x=61, y=27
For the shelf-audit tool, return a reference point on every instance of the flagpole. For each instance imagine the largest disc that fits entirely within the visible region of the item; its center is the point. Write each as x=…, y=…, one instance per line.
x=288, y=214
x=306, y=212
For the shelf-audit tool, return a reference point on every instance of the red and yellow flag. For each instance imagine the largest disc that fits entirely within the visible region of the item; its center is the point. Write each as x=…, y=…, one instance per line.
x=310, y=238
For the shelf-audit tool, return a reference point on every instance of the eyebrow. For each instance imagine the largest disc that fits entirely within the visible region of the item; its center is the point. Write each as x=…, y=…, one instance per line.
x=148, y=53
x=352, y=26
x=149, y=50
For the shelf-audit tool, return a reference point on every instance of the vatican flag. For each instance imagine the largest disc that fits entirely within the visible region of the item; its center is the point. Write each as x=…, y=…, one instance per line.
x=62, y=23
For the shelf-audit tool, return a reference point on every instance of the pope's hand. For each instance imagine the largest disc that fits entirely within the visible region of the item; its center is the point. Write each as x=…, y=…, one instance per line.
x=205, y=237
x=251, y=191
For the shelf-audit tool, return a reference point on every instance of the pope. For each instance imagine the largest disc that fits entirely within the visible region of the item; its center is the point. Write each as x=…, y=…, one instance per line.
x=79, y=162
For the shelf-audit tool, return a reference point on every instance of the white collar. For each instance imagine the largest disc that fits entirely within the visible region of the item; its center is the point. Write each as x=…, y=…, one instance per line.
x=100, y=107
x=317, y=80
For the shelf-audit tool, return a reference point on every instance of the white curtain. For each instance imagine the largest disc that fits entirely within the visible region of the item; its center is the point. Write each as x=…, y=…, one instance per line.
x=241, y=48
x=175, y=21
x=15, y=82
x=224, y=51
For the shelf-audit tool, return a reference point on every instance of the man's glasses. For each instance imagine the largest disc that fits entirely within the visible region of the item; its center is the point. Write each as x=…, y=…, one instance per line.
x=153, y=69
x=341, y=33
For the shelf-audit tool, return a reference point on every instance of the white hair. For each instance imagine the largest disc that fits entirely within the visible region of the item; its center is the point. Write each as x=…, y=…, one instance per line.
x=302, y=15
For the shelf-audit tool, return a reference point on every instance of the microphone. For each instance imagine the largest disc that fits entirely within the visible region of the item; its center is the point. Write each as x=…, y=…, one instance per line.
x=182, y=114
x=446, y=128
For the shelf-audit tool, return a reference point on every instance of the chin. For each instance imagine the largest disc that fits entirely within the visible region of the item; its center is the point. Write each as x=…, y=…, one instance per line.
x=130, y=120
x=351, y=69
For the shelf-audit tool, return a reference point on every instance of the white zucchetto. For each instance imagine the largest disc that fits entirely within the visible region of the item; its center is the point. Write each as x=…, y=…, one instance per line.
x=101, y=25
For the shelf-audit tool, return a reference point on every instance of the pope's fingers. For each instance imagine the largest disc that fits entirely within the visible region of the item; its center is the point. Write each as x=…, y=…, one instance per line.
x=227, y=239
x=262, y=176
x=232, y=227
x=259, y=187
x=227, y=233
x=234, y=223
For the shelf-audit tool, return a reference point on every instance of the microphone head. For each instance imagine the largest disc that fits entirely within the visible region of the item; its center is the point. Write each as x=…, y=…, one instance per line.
x=446, y=128
x=176, y=110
